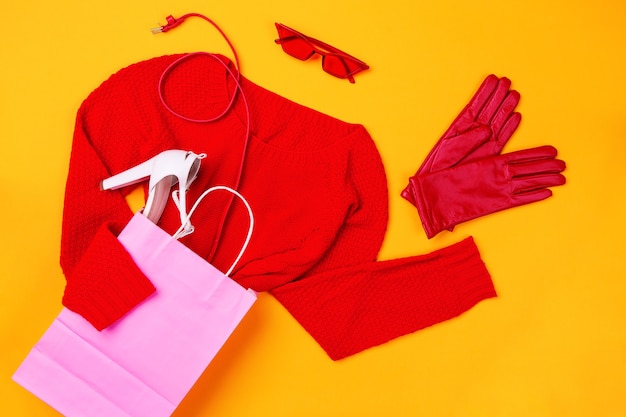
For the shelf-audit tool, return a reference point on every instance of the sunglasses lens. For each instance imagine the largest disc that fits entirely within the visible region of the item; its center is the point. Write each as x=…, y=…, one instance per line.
x=294, y=45
x=339, y=67
x=297, y=48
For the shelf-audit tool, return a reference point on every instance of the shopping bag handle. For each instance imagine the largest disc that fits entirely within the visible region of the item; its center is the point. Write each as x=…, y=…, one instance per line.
x=186, y=228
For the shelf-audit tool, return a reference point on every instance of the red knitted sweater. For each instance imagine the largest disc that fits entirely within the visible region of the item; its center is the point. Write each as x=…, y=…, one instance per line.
x=319, y=194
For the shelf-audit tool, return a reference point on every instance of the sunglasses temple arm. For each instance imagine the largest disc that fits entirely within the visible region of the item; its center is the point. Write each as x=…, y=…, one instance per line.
x=349, y=75
x=285, y=39
x=335, y=50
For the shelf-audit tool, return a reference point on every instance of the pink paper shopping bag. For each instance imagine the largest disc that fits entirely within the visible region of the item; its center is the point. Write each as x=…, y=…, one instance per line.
x=144, y=364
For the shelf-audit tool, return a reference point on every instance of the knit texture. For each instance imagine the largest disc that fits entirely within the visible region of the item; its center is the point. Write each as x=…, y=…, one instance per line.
x=119, y=285
x=317, y=187
x=378, y=305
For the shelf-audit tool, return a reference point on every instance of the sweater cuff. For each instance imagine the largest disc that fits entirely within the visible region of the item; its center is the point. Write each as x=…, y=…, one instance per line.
x=466, y=273
x=106, y=284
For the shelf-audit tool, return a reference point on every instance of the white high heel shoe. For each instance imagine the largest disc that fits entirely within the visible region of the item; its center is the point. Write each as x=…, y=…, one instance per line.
x=165, y=170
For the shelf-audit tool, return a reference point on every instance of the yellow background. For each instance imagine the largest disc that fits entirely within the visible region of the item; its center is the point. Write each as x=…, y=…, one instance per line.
x=553, y=342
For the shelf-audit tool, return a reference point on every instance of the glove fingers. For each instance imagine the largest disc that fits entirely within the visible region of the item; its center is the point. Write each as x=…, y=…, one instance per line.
x=495, y=102
x=471, y=137
x=505, y=112
x=531, y=197
x=534, y=183
x=505, y=132
x=534, y=167
x=532, y=154
x=469, y=114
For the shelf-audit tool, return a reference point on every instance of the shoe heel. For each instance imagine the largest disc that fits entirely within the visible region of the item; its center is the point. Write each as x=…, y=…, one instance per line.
x=131, y=176
x=164, y=170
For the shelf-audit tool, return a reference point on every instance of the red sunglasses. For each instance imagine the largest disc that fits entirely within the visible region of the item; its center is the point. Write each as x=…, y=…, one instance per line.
x=334, y=61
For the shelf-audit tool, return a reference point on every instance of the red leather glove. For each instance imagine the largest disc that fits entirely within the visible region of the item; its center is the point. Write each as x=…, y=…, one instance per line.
x=481, y=129
x=451, y=196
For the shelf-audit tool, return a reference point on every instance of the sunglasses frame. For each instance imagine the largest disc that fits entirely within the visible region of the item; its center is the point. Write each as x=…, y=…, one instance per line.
x=323, y=49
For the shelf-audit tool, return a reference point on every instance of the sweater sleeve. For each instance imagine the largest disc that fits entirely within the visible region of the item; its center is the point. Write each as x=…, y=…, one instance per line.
x=350, y=301
x=103, y=282
x=351, y=309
